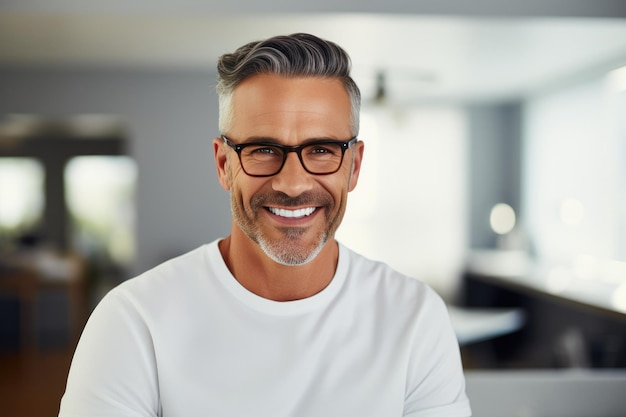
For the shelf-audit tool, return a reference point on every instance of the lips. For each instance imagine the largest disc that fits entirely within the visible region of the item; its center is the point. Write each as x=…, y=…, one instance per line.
x=292, y=214
x=292, y=208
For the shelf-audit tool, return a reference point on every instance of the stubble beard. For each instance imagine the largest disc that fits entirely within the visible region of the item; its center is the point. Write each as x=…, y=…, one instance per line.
x=287, y=250
x=284, y=253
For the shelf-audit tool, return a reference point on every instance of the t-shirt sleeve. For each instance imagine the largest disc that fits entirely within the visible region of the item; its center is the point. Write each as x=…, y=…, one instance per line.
x=435, y=384
x=113, y=372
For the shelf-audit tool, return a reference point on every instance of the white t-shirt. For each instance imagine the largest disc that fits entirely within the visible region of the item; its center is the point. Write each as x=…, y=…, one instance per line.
x=185, y=339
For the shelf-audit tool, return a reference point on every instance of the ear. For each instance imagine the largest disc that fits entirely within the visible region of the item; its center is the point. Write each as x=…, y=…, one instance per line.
x=358, y=150
x=221, y=162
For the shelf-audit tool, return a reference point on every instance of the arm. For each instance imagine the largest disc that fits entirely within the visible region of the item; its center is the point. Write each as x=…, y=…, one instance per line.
x=435, y=384
x=113, y=372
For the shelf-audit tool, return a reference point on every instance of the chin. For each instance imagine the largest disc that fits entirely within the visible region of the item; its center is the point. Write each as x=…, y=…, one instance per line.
x=288, y=254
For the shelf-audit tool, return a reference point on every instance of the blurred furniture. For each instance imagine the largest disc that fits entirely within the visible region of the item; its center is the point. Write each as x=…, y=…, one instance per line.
x=586, y=282
x=543, y=393
x=473, y=325
x=572, y=321
x=27, y=276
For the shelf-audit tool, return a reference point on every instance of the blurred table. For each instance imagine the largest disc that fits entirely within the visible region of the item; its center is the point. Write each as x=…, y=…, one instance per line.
x=575, y=314
x=540, y=393
x=585, y=281
x=473, y=325
x=25, y=276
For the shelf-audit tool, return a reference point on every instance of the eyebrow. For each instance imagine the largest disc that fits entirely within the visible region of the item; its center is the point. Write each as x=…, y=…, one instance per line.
x=274, y=141
x=259, y=139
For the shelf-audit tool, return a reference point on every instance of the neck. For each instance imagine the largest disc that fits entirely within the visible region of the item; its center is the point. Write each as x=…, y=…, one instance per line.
x=266, y=278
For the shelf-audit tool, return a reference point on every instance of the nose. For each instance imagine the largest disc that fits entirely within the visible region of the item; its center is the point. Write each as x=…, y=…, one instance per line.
x=292, y=180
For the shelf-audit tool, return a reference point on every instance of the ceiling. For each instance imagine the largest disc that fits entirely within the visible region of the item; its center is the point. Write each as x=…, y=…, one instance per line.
x=424, y=57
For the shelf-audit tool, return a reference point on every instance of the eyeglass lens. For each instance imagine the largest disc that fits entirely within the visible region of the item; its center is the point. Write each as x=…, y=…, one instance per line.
x=267, y=160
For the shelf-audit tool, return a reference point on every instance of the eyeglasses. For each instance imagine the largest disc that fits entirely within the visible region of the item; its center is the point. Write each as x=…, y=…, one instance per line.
x=264, y=159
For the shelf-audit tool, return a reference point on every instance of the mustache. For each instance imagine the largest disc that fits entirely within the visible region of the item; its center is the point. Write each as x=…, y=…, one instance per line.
x=309, y=198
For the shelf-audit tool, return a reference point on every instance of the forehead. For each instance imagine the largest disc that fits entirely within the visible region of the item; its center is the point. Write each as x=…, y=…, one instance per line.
x=291, y=107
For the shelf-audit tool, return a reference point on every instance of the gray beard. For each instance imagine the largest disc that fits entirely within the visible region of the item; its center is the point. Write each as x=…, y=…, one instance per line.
x=283, y=251
x=285, y=254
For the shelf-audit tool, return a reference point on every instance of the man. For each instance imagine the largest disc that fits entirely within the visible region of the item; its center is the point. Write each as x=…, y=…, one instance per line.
x=278, y=319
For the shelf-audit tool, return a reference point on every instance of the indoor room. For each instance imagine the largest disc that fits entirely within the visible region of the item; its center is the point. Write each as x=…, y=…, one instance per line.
x=494, y=171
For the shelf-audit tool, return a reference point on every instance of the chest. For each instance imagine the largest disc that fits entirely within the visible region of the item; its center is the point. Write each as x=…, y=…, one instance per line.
x=327, y=365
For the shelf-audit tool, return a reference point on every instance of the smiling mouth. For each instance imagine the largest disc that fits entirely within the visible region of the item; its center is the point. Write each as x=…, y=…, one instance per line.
x=292, y=214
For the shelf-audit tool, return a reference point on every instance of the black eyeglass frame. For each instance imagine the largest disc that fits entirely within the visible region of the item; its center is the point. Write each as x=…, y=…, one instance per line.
x=345, y=145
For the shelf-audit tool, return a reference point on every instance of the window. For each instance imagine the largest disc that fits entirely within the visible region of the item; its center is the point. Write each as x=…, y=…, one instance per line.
x=100, y=200
x=21, y=196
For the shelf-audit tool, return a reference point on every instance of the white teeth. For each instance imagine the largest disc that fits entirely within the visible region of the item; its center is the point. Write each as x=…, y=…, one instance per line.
x=292, y=213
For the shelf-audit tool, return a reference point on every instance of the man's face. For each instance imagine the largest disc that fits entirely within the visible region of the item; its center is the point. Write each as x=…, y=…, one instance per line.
x=292, y=214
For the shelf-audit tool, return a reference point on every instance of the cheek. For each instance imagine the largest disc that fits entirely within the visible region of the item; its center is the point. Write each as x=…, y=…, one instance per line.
x=244, y=188
x=235, y=177
x=338, y=189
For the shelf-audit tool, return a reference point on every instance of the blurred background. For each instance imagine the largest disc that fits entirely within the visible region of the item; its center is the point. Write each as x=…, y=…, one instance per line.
x=495, y=170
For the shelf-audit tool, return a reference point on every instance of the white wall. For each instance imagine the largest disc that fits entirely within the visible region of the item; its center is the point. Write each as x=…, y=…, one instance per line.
x=409, y=208
x=572, y=175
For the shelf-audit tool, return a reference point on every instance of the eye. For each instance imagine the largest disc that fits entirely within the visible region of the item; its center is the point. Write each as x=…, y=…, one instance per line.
x=319, y=149
x=323, y=149
x=262, y=151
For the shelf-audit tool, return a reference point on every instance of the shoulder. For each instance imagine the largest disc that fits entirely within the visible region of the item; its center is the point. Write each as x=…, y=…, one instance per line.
x=172, y=272
x=167, y=283
x=381, y=275
x=413, y=312
x=379, y=282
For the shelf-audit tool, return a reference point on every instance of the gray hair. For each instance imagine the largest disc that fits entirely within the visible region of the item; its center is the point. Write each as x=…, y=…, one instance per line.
x=297, y=55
